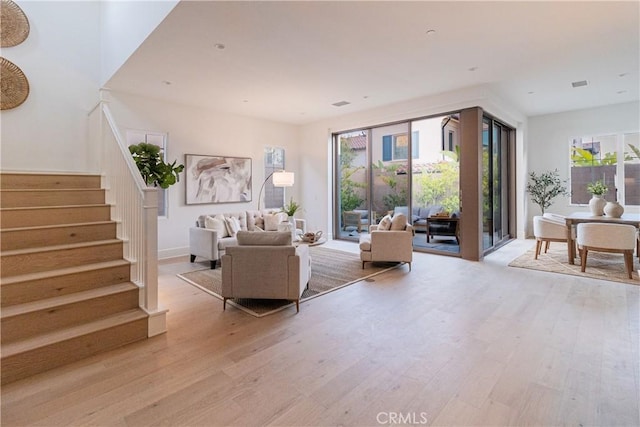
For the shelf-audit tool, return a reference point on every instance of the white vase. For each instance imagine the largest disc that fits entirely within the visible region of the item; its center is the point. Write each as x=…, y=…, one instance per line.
x=292, y=221
x=613, y=209
x=597, y=204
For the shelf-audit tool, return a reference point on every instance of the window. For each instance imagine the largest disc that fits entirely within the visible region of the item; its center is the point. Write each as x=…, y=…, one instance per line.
x=273, y=162
x=396, y=147
x=613, y=159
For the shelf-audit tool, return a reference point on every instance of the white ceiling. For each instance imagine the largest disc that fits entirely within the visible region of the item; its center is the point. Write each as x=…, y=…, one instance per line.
x=289, y=61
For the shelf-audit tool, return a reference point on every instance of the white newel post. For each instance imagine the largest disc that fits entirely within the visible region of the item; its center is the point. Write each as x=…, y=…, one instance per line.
x=157, y=316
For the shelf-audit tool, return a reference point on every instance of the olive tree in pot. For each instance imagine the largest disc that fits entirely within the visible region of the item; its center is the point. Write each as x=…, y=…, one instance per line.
x=152, y=167
x=545, y=187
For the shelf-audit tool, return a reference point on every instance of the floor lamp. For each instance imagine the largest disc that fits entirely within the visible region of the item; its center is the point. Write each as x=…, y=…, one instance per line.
x=280, y=179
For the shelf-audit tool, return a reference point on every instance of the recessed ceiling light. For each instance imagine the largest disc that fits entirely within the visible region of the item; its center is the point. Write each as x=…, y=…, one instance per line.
x=579, y=83
x=219, y=46
x=621, y=92
x=166, y=82
x=531, y=92
x=365, y=97
x=340, y=103
x=622, y=74
x=245, y=100
x=473, y=68
x=431, y=32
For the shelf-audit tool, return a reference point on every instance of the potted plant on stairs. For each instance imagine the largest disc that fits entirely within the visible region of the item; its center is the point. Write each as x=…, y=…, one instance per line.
x=154, y=170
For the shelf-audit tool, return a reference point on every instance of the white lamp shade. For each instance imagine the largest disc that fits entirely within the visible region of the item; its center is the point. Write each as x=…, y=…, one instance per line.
x=283, y=179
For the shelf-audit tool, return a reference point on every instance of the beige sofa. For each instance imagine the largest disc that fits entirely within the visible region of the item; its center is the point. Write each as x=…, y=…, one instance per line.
x=265, y=266
x=212, y=243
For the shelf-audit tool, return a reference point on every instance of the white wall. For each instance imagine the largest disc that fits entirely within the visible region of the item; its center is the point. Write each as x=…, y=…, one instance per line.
x=549, y=137
x=125, y=25
x=61, y=60
x=193, y=130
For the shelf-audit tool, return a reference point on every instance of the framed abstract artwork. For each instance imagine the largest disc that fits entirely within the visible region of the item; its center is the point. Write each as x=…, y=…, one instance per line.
x=217, y=179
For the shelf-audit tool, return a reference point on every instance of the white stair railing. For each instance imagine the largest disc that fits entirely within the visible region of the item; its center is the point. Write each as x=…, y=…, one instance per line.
x=134, y=207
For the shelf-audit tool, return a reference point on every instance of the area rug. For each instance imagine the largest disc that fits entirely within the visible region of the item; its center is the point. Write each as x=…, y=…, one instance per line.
x=330, y=270
x=600, y=265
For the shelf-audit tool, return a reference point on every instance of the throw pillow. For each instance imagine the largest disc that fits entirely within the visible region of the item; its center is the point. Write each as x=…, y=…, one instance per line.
x=399, y=222
x=271, y=222
x=216, y=224
x=385, y=223
x=233, y=226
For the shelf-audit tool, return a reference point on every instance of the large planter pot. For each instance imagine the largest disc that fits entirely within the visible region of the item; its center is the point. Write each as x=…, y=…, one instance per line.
x=613, y=209
x=597, y=204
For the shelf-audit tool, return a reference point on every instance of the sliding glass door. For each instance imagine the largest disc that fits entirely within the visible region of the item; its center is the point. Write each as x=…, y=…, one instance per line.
x=390, y=170
x=352, y=183
x=495, y=183
x=413, y=167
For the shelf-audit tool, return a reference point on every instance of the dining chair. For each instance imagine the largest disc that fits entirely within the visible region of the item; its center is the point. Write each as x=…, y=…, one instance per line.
x=548, y=228
x=599, y=237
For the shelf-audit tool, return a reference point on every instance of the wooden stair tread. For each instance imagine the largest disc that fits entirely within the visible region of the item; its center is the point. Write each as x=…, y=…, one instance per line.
x=59, y=247
x=43, y=340
x=53, y=189
x=44, y=304
x=62, y=271
x=36, y=208
x=45, y=227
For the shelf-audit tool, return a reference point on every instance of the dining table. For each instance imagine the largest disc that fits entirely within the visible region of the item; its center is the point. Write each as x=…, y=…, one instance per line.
x=632, y=218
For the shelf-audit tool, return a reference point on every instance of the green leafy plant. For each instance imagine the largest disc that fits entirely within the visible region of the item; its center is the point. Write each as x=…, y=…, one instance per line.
x=597, y=188
x=291, y=208
x=152, y=167
x=545, y=187
x=582, y=157
x=438, y=184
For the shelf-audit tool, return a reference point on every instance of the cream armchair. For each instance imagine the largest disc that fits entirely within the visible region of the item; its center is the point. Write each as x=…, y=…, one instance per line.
x=265, y=266
x=387, y=245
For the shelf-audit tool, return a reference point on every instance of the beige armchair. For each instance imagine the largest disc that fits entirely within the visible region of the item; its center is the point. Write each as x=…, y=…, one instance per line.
x=265, y=266
x=395, y=245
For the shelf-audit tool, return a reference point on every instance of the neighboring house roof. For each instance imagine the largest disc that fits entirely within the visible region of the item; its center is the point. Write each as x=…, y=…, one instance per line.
x=358, y=142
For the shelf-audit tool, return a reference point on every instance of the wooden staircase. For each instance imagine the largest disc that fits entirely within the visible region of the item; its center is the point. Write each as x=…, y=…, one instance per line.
x=65, y=289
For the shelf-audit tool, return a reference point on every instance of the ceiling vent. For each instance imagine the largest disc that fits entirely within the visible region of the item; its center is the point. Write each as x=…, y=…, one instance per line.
x=580, y=83
x=340, y=103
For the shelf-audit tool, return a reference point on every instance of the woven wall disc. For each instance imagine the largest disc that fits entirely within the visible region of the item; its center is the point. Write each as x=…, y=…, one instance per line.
x=14, y=25
x=13, y=84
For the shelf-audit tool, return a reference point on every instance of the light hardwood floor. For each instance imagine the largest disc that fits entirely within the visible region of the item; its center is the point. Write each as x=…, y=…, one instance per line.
x=451, y=343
